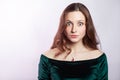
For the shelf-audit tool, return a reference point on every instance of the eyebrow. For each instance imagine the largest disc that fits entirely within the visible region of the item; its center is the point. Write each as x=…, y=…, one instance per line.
x=72, y=21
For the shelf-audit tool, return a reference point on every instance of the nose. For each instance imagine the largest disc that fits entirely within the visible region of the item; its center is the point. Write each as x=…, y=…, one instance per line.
x=74, y=29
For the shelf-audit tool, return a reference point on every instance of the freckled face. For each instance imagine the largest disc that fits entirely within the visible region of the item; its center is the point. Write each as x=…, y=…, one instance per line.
x=75, y=26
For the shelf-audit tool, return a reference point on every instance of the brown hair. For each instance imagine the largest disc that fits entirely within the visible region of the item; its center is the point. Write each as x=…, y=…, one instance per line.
x=90, y=39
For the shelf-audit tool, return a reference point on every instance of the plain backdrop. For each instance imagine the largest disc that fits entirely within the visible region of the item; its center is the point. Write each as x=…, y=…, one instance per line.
x=27, y=29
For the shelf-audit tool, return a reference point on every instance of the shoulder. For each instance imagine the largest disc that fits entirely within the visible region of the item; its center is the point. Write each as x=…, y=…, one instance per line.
x=51, y=53
x=96, y=53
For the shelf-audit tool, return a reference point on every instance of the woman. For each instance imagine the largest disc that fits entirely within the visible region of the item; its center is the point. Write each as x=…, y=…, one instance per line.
x=74, y=54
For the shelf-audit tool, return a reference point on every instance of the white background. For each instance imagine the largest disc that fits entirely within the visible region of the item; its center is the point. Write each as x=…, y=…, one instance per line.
x=27, y=29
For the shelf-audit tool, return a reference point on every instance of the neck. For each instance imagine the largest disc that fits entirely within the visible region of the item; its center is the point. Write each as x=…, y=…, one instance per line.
x=77, y=47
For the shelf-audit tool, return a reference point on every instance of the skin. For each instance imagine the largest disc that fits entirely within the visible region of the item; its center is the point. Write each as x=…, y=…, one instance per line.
x=75, y=26
x=75, y=31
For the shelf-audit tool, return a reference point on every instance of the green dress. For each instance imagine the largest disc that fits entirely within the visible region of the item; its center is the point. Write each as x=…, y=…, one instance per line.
x=93, y=69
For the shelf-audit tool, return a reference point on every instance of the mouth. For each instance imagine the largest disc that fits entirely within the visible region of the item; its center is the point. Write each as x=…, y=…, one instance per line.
x=73, y=36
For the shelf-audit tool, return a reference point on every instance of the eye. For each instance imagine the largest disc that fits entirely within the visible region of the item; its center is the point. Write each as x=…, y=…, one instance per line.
x=69, y=23
x=80, y=24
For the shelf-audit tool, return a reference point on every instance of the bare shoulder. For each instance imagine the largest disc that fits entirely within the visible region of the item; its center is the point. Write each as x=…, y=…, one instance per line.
x=96, y=53
x=51, y=53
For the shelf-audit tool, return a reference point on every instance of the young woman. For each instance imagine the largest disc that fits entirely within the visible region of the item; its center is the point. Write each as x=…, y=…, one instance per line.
x=74, y=54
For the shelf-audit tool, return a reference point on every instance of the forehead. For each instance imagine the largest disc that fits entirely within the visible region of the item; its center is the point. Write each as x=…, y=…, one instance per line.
x=75, y=15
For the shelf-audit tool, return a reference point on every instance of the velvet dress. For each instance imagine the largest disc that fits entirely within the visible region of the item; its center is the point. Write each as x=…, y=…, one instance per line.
x=92, y=69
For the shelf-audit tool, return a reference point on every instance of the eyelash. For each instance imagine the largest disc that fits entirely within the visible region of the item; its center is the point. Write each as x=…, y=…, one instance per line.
x=81, y=23
x=70, y=23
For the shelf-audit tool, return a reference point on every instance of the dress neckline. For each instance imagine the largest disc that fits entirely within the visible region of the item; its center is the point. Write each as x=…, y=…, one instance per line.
x=87, y=60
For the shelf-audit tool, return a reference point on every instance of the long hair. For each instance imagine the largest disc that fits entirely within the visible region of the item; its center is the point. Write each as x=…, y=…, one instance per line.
x=90, y=39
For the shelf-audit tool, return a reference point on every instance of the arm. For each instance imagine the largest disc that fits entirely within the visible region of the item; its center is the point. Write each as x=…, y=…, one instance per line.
x=43, y=72
x=103, y=70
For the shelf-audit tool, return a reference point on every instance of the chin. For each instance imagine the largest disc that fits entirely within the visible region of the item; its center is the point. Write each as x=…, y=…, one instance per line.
x=74, y=41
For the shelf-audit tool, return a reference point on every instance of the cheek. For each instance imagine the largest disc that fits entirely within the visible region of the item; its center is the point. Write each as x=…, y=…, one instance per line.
x=82, y=30
x=67, y=31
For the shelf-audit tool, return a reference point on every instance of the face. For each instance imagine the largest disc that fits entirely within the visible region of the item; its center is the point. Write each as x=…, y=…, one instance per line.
x=75, y=26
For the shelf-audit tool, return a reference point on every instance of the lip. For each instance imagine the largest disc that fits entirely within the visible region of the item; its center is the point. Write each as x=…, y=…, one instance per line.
x=73, y=36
